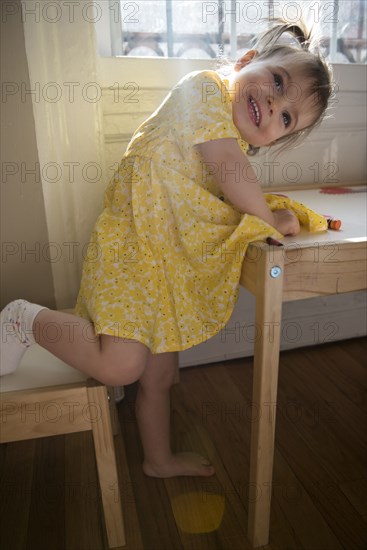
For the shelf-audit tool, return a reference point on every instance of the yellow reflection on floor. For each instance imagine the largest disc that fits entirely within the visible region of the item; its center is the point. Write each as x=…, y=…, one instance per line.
x=198, y=513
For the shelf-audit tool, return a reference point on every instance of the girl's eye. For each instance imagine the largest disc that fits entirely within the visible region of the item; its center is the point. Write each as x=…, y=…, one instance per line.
x=286, y=119
x=278, y=81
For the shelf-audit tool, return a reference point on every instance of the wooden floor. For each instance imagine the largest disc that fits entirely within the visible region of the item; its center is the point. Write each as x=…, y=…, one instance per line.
x=49, y=489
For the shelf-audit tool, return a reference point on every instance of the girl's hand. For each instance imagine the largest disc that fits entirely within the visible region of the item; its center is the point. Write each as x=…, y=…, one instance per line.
x=286, y=222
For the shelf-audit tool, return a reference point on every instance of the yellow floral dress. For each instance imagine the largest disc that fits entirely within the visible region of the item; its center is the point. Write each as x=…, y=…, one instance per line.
x=165, y=255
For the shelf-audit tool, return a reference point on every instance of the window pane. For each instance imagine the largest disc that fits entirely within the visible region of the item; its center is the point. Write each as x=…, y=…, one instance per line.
x=203, y=28
x=193, y=37
x=350, y=30
x=143, y=28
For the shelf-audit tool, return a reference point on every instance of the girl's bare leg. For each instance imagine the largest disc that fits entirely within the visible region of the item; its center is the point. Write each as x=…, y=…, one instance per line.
x=111, y=360
x=153, y=416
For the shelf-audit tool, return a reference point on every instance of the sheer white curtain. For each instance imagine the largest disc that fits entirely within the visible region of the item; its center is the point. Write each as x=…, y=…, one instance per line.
x=66, y=96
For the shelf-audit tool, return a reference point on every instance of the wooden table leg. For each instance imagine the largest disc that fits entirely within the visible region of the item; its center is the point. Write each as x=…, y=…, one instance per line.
x=269, y=287
x=106, y=465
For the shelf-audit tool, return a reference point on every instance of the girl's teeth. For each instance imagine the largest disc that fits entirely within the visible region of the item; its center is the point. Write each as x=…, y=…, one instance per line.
x=255, y=110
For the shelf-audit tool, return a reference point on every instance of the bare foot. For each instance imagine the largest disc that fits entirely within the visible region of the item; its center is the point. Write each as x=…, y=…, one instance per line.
x=181, y=464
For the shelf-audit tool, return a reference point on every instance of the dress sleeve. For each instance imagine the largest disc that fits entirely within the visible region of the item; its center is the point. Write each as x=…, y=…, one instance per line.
x=204, y=110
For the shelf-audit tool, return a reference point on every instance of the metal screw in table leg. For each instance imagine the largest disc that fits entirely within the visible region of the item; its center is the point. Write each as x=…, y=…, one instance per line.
x=275, y=271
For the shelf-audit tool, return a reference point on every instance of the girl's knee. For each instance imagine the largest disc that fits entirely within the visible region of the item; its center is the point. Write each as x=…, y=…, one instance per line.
x=121, y=373
x=122, y=362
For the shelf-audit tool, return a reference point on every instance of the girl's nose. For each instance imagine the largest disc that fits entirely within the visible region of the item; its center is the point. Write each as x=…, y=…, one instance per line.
x=270, y=105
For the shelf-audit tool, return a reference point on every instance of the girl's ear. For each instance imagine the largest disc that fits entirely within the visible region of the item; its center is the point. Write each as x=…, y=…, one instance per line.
x=245, y=60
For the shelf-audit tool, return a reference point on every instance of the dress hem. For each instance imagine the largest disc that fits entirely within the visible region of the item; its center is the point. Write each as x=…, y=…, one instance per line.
x=170, y=348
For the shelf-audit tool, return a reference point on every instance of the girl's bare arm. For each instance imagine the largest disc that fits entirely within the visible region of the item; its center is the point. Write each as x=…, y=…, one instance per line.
x=224, y=159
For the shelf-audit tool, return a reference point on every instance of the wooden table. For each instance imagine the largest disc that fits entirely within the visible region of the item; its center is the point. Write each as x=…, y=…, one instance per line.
x=308, y=265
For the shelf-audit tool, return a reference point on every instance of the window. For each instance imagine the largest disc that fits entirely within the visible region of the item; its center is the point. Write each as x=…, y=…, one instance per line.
x=208, y=29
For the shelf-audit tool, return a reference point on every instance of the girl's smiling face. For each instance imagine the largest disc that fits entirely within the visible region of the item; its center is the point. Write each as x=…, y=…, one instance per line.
x=270, y=101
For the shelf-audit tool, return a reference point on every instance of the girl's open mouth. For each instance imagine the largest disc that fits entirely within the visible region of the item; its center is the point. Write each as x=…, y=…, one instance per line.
x=254, y=111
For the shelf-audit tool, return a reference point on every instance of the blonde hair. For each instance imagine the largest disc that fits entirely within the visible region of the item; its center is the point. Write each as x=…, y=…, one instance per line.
x=304, y=53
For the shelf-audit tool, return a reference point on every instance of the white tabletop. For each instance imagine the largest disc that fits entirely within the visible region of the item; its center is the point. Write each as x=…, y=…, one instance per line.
x=350, y=208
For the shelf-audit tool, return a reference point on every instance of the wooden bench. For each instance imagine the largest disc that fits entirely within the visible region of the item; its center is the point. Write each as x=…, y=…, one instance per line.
x=46, y=397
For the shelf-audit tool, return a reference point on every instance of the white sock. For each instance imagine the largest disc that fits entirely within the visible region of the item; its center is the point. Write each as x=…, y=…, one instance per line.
x=16, y=333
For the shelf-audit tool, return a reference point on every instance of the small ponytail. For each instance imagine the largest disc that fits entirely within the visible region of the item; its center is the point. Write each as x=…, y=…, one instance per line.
x=268, y=39
x=301, y=34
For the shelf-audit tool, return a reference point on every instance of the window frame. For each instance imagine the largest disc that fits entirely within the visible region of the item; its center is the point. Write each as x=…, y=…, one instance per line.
x=109, y=30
